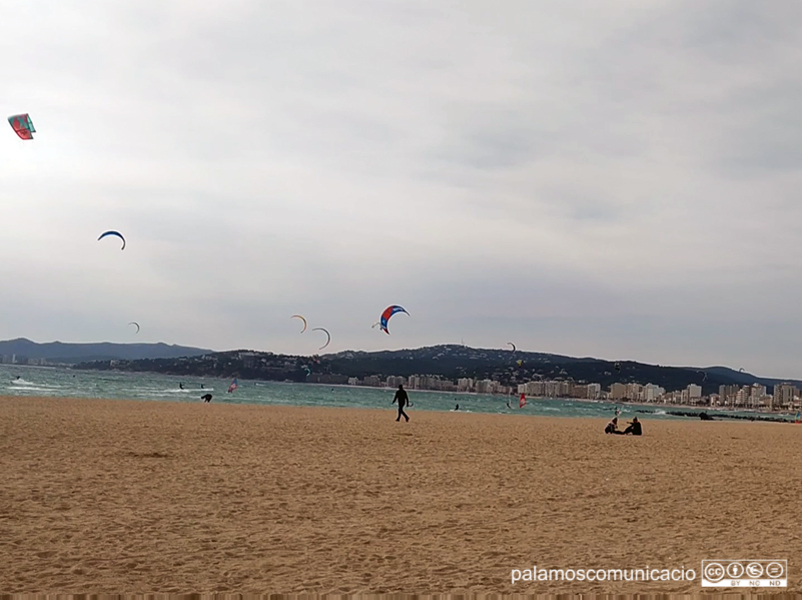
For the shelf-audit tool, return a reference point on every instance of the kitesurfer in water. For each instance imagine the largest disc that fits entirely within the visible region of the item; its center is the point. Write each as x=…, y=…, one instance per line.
x=181, y=386
x=206, y=397
x=201, y=386
x=402, y=399
x=509, y=405
x=456, y=407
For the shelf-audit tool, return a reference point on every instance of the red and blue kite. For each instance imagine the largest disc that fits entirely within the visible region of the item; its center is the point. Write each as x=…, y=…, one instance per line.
x=389, y=312
x=23, y=126
x=233, y=386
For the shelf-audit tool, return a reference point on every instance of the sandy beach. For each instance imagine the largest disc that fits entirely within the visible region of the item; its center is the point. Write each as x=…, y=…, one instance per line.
x=130, y=496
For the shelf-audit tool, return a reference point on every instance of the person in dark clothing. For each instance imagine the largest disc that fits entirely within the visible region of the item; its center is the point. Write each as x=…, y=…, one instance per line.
x=612, y=426
x=634, y=427
x=456, y=407
x=180, y=386
x=206, y=397
x=402, y=399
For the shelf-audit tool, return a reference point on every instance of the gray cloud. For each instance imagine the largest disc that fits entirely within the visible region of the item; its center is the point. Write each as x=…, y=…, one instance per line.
x=614, y=179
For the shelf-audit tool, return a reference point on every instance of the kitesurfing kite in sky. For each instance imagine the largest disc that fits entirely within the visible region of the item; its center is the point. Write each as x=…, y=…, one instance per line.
x=302, y=319
x=328, y=336
x=23, y=126
x=233, y=386
x=513, y=346
x=389, y=312
x=115, y=233
x=135, y=324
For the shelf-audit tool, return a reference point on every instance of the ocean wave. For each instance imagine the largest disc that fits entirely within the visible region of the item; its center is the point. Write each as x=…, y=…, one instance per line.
x=32, y=388
x=25, y=384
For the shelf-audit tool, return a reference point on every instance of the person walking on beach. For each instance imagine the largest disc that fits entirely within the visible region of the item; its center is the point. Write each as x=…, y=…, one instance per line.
x=402, y=399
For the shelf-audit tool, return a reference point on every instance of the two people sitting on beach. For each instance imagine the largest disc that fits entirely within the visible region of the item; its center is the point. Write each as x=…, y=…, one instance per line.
x=403, y=400
x=633, y=429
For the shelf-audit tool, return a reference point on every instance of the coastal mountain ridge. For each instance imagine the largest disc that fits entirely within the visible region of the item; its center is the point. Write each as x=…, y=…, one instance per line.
x=69, y=353
x=451, y=361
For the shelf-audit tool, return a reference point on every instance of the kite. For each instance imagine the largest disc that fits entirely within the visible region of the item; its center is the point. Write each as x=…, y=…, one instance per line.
x=520, y=363
x=389, y=312
x=741, y=370
x=522, y=401
x=513, y=346
x=22, y=126
x=328, y=335
x=233, y=386
x=618, y=367
x=704, y=375
x=117, y=233
x=308, y=370
x=135, y=324
x=302, y=319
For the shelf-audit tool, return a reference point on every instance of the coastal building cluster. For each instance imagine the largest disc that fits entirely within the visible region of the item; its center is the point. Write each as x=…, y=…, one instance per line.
x=784, y=396
x=15, y=359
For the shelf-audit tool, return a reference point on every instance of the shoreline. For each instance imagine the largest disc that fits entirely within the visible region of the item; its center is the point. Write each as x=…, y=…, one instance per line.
x=658, y=405
x=672, y=412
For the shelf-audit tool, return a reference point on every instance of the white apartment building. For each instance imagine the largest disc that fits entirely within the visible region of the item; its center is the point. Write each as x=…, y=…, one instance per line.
x=784, y=395
x=465, y=384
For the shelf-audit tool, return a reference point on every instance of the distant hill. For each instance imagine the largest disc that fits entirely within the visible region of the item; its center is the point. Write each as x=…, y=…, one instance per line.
x=448, y=361
x=60, y=352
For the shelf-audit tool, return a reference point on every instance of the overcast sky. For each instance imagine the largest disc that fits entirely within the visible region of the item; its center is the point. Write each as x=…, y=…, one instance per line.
x=611, y=179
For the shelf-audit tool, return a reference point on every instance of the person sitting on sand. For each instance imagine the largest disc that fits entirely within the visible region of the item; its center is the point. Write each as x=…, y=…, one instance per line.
x=402, y=399
x=612, y=426
x=634, y=427
x=206, y=397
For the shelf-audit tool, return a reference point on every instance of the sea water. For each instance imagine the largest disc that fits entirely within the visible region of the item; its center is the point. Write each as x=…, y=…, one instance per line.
x=17, y=380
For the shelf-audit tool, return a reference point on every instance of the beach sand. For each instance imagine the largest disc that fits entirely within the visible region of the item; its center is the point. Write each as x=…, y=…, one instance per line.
x=121, y=496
